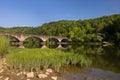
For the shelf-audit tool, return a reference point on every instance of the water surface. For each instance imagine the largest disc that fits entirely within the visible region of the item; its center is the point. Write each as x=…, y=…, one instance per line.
x=105, y=63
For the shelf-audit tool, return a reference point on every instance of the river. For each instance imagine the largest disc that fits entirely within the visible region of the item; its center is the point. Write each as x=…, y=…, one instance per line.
x=105, y=63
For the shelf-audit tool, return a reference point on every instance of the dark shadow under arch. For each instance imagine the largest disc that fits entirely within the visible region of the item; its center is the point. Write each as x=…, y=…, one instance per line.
x=52, y=43
x=65, y=43
x=64, y=40
x=33, y=42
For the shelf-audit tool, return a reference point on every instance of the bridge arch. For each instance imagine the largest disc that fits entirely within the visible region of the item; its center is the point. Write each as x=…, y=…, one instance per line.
x=12, y=36
x=14, y=41
x=33, y=42
x=52, y=42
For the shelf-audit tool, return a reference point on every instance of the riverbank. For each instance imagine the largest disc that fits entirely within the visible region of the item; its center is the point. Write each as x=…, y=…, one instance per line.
x=34, y=64
x=49, y=74
x=7, y=74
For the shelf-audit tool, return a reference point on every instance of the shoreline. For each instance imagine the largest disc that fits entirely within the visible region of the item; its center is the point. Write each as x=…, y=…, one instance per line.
x=49, y=74
x=7, y=74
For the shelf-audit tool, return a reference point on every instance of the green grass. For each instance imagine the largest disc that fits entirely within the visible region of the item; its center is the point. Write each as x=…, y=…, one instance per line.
x=4, y=44
x=37, y=59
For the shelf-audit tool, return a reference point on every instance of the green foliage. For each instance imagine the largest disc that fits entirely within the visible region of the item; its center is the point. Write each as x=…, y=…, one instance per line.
x=29, y=59
x=4, y=44
x=111, y=32
x=77, y=34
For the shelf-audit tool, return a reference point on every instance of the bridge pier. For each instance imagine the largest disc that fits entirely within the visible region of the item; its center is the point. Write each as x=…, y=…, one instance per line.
x=59, y=47
x=44, y=46
x=21, y=44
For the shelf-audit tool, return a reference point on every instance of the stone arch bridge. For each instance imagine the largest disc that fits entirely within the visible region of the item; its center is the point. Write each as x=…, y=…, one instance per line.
x=22, y=37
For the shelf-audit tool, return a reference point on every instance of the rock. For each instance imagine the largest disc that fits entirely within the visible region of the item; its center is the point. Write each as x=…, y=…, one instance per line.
x=54, y=78
x=20, y=73
x=30, y=74
x=5, y=63
x=4, y=60
x=1, y=77
x=47, y=73
x=7, y=78
x=1, y=70
x=49, y=70
x=42, y=75
x=24, y=72
x=0, y=66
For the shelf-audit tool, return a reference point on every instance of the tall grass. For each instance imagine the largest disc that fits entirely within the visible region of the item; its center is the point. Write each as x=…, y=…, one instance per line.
x=4, y=44
x=37, y=59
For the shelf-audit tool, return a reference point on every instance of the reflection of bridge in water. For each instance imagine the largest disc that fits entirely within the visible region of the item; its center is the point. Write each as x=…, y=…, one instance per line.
x=20, y=38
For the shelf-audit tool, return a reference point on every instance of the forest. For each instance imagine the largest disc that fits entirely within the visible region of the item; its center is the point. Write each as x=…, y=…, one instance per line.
x=105, y=28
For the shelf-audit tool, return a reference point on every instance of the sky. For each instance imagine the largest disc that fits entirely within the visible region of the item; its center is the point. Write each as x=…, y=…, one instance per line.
x=37, y=12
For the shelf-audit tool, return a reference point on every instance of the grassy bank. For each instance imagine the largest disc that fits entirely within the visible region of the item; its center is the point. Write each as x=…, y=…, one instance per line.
x=4, y=44
x=37, y=59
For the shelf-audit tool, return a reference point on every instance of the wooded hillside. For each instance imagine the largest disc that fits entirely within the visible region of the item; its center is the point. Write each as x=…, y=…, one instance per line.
x=106, y=28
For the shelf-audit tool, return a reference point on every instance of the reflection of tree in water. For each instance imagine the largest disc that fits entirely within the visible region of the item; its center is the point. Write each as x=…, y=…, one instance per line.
x=33, y=42
x=109, y=60
x=106, y=58
x=89, y=52
x=87, y=49
x=52, y=43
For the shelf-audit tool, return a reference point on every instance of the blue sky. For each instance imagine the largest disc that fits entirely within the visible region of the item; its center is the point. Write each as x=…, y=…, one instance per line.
x=37, y=12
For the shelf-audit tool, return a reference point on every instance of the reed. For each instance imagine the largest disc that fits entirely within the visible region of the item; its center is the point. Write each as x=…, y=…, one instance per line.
x=40, y=59
x=4, y=44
